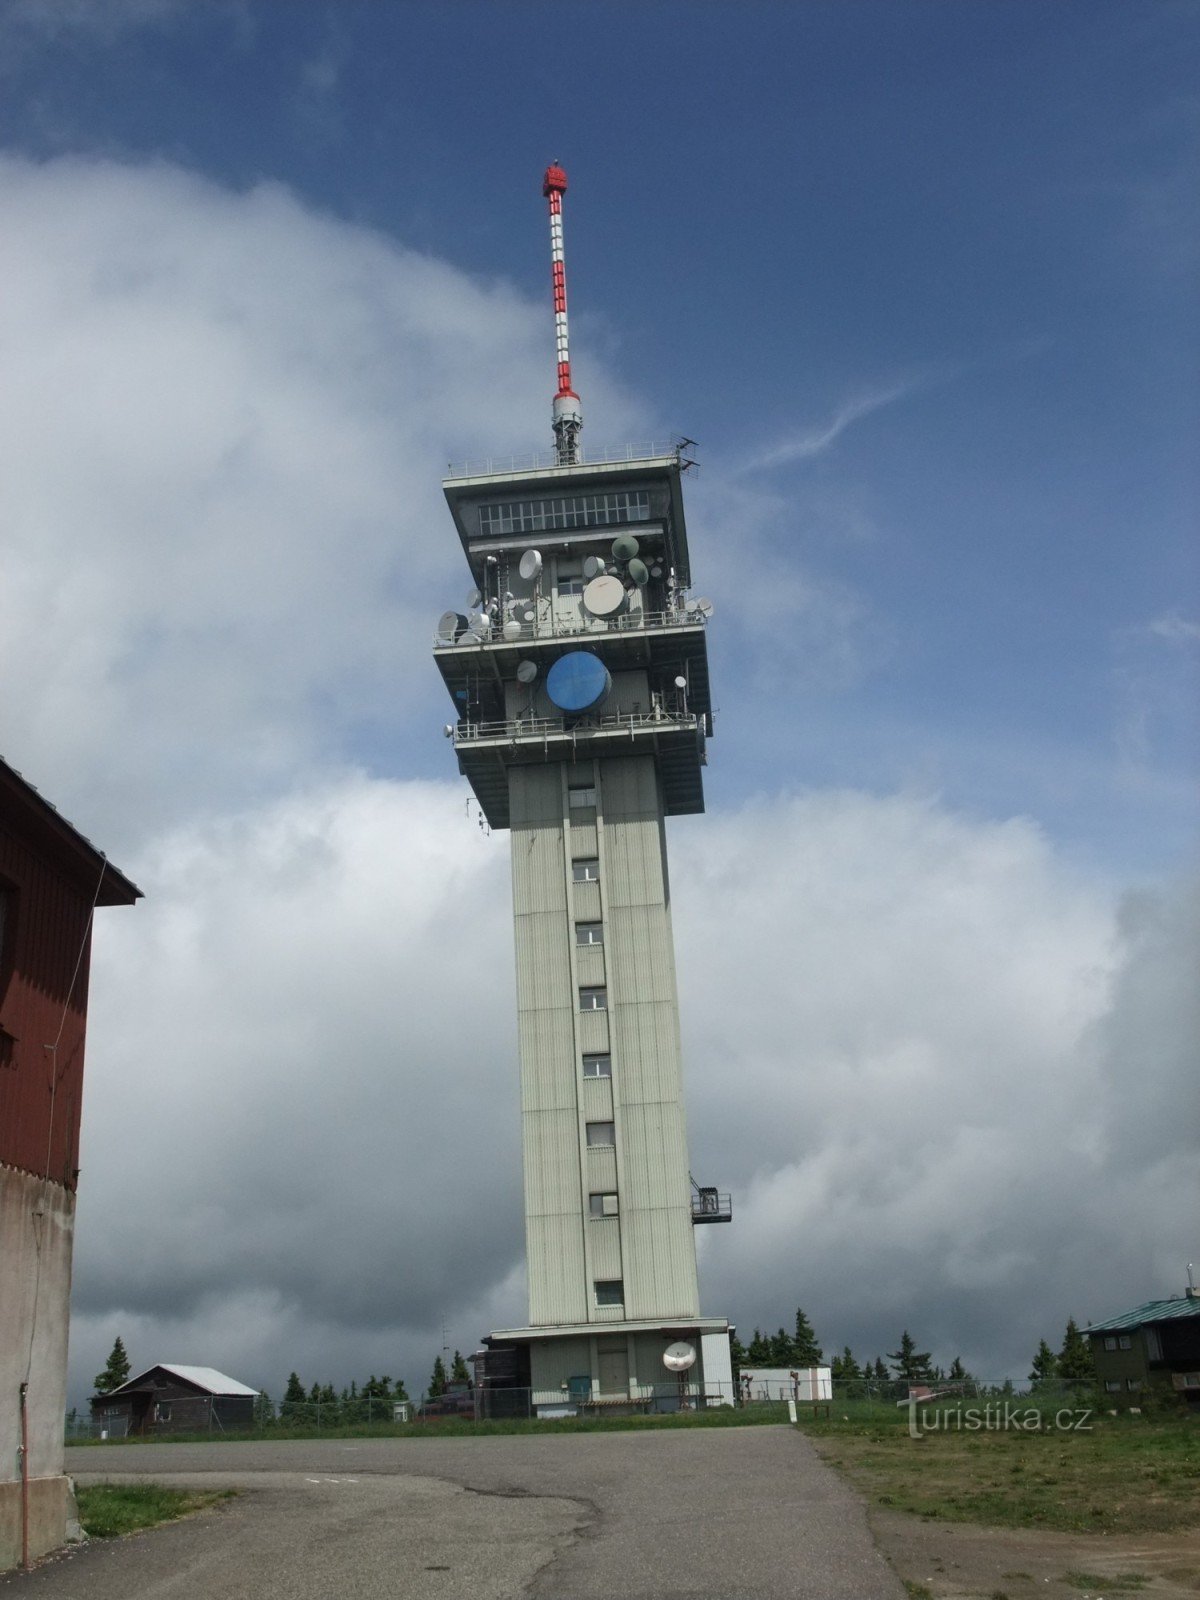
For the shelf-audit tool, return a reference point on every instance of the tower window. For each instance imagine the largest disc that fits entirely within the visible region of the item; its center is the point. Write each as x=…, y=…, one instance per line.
x=601, y=1133
x=584, y=795
x=610, y=1292
x=602, y=1205
x=593, y=999
x=586, y=871
x=597, y=1066
x=589, y=933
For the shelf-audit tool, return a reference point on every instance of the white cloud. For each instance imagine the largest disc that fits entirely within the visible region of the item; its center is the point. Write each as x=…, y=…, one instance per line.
x=224, y=548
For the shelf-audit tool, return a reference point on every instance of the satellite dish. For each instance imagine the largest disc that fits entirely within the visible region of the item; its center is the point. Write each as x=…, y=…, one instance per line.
x=605, y=597
x=656, y=572
x=448, y=730
x=678, y=1357
x=639, y=572
x=704, y=607
x=473, y=599
x=681, y=683
x=513, y=629
x=481, y=625
x=593, y=567
x=625, y=547
x=578, y=681
x=526, y=671
x=531, y=565
x=451, y=626
x=527, y=612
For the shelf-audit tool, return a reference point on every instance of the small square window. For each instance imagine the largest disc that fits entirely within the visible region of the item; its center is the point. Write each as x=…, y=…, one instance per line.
x=1113, y=1385
x=1110, y=1342
x=610, y=1292
x=586, y=871
x=593, y=999
x=597, y=1066
x=584, y=795
x=589, y=933
x=601, y=1133
x=1124, y=1342
x=602, y=1205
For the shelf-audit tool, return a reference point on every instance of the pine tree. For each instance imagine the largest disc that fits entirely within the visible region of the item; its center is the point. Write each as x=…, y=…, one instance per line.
x=458, y=1370
x=294, y=1393
x=328, y=1395
x=399, y=1392
x=314, y=1395
x=1045, y=1366
x=806, y=1352
x=849, y=1368
x=958, y=1373
x=759, y=1353
x=880, y=1371
x=737, y=1355
x=437, y=1383
x=117, y=1370
x=908, y=1362
x=780, y=1346
x=1076, y=1363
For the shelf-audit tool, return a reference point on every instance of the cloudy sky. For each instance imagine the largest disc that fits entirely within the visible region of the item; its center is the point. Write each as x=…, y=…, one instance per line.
x=920, y=278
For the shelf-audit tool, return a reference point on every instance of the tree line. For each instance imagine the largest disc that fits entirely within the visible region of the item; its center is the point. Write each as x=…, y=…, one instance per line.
x=1072, y=1363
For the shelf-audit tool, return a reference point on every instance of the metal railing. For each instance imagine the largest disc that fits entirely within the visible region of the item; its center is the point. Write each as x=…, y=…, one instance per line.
x=550, y=626
x=535, y=460
x=708, y=1205
x=559, y=728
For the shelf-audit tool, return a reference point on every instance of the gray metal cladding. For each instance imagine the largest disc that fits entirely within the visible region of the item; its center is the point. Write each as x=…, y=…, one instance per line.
x=604, y=1247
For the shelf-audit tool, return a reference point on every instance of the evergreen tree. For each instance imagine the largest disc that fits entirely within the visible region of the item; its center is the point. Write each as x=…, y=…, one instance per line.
x=908, y=1362
x=328, y=1396
x=759, y=1353
x=845, y=1367
x=880, y=1371
x=437, y=1383
x=117, y=1370
x=314, y=1395
x=958, y=1373
x=458, y=1369
x=1045, y=1366
x=294, y=1393
x=780, y=1346
x=737, y=1355
x=399, y=1392
x=1075, y=1361
x=806, y=1352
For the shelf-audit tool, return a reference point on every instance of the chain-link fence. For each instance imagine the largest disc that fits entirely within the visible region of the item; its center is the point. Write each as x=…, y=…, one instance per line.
x=206, y=1415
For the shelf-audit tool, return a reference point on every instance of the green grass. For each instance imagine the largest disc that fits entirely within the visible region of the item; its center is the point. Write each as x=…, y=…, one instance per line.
x=1112, y=1582
x=458, y=1428
x=107, y=1510
x=1126, y=1475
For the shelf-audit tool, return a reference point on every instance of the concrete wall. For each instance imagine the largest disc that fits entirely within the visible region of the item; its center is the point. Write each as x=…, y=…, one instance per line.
x=649, y=1246
x=37, y=1224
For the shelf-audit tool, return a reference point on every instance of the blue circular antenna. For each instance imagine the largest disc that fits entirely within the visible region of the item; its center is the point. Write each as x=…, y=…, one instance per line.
x=578, y=681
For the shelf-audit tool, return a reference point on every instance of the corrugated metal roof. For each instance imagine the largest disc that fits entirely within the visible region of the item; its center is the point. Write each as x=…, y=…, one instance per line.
x=203, y=1377
x=1171, y=1310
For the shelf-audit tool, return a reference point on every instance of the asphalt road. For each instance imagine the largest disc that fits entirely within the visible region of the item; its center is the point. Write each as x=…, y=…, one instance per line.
x=707, y=1514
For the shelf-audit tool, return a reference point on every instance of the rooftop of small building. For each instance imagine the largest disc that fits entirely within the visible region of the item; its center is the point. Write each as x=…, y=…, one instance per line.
x=207, y=1378
x=20, y=799
x=1173, y=1309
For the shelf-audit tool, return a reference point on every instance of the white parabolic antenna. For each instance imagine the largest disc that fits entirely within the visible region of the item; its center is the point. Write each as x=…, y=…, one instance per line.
x=526, y=671
x=678, y=1357
x=531, y=565
x=604, y=597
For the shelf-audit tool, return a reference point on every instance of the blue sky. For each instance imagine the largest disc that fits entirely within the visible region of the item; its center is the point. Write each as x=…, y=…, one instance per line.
x=920, y=278
x=779, y=215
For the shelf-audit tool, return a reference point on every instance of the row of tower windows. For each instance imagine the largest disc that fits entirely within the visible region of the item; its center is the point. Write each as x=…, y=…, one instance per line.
x=572, y=511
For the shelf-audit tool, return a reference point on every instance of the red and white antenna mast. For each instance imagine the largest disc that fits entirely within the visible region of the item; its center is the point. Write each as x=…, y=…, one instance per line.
x=567, y=413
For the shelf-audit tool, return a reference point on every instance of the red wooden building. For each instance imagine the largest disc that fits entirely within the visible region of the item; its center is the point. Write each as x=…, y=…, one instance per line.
x=51, y=881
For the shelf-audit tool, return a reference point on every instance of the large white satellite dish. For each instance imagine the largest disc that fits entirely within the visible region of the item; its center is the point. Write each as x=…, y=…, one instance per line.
x=680, y=1356
x=605, y=596
x=531, y=565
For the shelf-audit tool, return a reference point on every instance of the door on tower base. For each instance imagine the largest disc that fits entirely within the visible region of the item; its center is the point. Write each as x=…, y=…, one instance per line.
x=614, y=1366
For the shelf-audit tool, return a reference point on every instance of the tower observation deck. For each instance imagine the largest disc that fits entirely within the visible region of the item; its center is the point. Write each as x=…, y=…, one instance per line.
x=579, y=680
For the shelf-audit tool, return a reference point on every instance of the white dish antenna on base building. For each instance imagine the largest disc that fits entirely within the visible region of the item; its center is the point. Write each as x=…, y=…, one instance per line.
x=680, y=1356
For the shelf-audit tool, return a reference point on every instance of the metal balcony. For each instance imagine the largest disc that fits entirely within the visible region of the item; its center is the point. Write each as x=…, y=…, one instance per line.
x=709, y=1206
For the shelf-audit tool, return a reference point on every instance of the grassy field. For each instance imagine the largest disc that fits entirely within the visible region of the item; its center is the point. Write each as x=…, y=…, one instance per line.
x=454, y=1427
x=1116, y=1475
x=107, y=1510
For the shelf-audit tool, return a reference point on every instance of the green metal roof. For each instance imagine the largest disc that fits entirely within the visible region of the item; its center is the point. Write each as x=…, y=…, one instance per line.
x=1153, y=1311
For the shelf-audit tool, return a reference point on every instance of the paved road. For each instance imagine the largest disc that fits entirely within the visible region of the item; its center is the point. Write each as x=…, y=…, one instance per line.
x=707, y=1514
